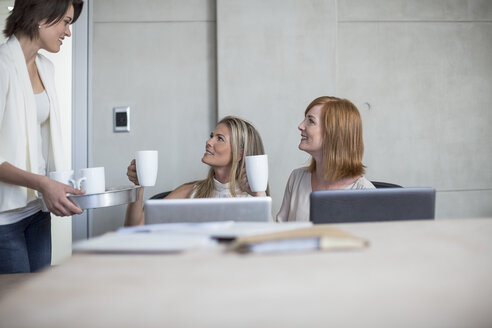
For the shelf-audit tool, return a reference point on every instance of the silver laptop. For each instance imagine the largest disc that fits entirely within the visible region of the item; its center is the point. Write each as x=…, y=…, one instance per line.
x=253, y=209
x=387, y=204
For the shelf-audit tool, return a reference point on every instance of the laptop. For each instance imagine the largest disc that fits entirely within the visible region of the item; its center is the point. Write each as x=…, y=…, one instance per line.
x=367, y=205
x=245, y=209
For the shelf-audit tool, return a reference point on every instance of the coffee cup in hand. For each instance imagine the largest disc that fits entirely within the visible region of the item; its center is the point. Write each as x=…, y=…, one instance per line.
x=147, y=165
x=257, y=172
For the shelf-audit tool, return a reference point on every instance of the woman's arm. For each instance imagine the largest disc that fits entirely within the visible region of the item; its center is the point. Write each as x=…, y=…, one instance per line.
x=183, y=191
x=134, y=211
x=54, y=193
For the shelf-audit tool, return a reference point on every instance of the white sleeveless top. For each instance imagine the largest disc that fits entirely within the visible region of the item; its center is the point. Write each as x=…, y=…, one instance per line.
x=221, y=190
x=43, y=111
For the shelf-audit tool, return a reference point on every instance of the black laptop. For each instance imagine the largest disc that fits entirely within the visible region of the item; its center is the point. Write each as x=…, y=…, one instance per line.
x=367, y=205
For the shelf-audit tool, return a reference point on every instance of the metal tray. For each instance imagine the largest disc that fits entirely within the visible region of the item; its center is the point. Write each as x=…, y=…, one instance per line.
x=112, y=197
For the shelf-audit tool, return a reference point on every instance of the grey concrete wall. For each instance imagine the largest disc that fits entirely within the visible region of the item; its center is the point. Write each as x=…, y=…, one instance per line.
x=158, y=57
x=421, y=73
x=4, y=12
x=273, y=58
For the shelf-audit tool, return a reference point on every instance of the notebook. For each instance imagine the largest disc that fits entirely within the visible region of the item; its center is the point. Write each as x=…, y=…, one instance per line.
x=388, y=204
x=317, y=237
x=257, y=209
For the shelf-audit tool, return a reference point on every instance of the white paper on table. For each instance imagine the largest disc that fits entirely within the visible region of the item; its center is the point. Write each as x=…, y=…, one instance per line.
x=144, y=243
x=221, y=229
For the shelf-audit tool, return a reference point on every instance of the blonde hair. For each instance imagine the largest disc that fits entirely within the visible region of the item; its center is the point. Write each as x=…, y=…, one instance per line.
x=245, y=141
x=343, y=145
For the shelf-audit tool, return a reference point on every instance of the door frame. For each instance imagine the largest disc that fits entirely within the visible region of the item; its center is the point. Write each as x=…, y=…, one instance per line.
x=81, y=108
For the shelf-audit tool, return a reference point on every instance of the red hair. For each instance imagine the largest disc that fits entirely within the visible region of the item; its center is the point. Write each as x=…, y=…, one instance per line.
x=343, y=146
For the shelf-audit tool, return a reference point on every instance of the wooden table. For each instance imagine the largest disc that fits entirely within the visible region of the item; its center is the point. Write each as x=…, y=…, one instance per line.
x=414, y=274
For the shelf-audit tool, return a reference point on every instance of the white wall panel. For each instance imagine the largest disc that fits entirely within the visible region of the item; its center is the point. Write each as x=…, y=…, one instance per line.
x=429, y=88
x=154, y=10
x=464, y=204
x=274, y=57
x=423, y=67
x=4, y=13
x=411, y=10
x=165, y=71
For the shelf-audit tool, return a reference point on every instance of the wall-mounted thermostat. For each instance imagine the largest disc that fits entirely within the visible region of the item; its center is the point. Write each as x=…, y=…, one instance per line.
x=121, y=119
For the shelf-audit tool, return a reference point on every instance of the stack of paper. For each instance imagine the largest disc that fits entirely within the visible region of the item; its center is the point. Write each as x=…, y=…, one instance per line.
x=178, y=237
x=144, y=243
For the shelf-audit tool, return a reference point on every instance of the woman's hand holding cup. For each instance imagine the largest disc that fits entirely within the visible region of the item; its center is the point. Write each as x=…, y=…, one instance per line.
x=147, y=164
x=246, y=187
x=131, y=172
x=55, y=197
x=257, y=174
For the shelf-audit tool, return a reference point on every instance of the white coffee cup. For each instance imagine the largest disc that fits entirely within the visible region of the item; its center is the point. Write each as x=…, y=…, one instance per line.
x=257, y=171
x=91, y=180
x=147, y=165
x=65, y=177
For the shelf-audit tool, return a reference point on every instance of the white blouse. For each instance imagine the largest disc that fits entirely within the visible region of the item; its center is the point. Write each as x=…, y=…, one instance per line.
x=43, y=111
x=221, y=190
x=295, y=205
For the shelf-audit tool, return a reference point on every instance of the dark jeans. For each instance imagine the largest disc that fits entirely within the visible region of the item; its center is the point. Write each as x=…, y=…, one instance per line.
x=25, y=246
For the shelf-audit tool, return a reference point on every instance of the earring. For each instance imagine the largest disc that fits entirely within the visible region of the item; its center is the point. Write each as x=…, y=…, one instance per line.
x=39, y=26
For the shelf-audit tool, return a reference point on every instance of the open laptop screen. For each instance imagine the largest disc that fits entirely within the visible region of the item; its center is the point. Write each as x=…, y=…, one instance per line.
x=208, y=209
x=336, y=206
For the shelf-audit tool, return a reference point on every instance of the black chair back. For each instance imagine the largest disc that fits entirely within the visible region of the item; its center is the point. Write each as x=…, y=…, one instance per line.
x=161, y=195
x=379, y=185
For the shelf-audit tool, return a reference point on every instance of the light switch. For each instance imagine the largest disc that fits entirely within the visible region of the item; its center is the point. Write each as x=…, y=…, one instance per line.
x=121, y=119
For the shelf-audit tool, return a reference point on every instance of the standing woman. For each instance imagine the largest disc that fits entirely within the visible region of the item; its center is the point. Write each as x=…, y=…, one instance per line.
x=30, y=133
x=331, y=133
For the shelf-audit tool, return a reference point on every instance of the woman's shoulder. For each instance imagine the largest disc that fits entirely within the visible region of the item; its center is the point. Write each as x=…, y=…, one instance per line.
x=299, y=177
x=6, y=68
x=4, y=52
x=362, y=183
x=183, y=191
x=299, y=172
x=5, y=58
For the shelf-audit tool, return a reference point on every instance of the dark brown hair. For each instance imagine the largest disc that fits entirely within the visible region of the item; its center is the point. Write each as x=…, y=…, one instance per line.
x=343, y=145
x=27, y=14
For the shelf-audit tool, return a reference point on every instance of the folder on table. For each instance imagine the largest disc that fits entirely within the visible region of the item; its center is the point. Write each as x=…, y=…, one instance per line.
x=318, y=237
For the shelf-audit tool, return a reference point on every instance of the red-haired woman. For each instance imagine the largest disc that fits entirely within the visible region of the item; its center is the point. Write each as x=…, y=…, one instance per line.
x=331, y=133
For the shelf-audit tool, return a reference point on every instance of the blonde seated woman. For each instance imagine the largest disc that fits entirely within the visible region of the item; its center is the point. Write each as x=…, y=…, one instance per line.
x=225, y=150
x=331, y=133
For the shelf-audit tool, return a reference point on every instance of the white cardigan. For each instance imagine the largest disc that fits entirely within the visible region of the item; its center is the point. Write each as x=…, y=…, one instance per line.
x=18, y=122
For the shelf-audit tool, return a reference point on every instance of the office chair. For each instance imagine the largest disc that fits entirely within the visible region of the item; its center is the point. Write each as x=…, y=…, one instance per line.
x=379, y=185
x=160, y=195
